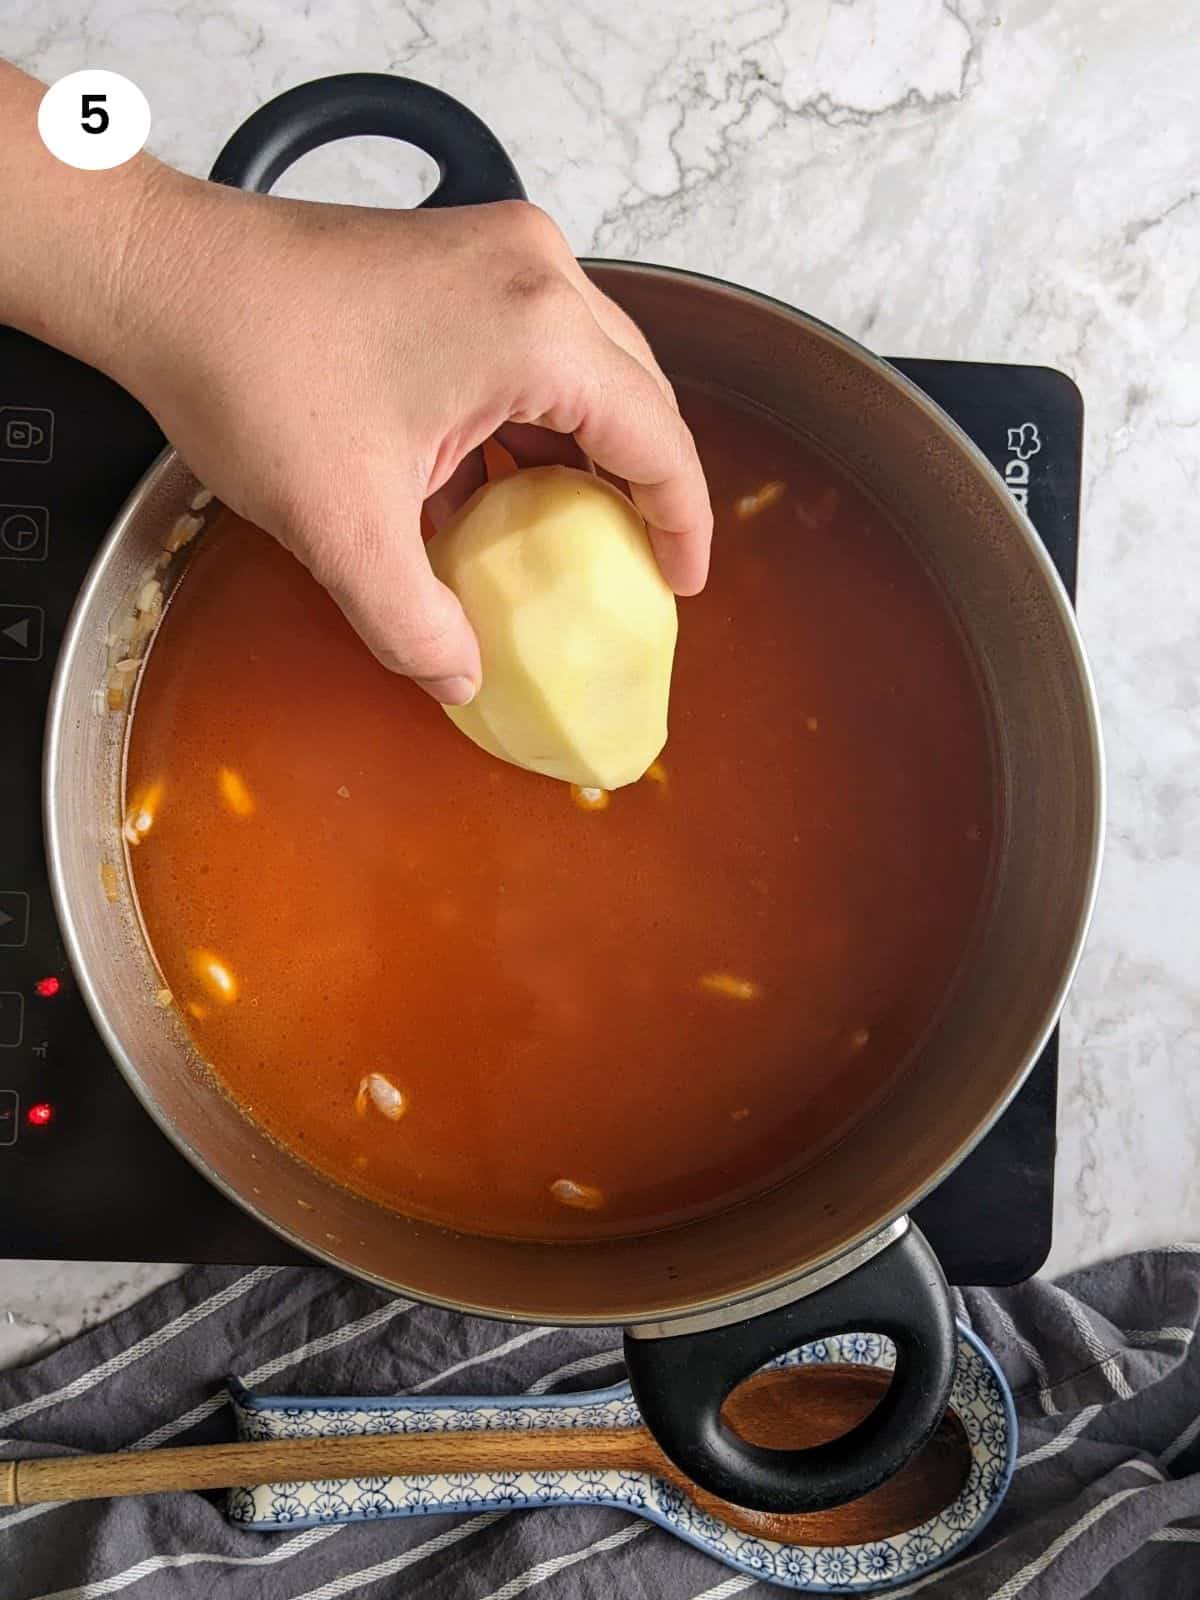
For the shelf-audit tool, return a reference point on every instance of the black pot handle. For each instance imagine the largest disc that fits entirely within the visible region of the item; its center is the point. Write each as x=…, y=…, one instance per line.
x=473, y=164
x=681, y=1381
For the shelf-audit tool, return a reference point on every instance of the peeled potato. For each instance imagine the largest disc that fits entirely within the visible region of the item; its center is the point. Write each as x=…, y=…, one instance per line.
x=576, y=626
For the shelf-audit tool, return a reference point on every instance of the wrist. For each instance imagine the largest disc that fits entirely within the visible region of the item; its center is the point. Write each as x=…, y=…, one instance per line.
x=158, y=232
x=80, y=269
x=68, y=276
x=84, y=260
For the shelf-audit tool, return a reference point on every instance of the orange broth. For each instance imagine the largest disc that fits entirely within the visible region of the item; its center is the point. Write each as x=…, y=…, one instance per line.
x=579, y=1021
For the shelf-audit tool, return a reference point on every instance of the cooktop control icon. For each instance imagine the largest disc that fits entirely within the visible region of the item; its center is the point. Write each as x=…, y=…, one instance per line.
x=26, y=433
x=14, y=918
x=1025, y=441
x=22, y=633
x=12, y=1018
x=24, y=533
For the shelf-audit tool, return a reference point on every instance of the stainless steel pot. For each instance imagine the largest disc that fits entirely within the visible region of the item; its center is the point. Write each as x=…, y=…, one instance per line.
x=706, y=1303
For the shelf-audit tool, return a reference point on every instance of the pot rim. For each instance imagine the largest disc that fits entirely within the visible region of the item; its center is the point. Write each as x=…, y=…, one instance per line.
x=720, y=1305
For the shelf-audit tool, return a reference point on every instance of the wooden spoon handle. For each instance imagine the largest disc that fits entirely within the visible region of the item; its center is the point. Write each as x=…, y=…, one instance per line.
x=218, y=1466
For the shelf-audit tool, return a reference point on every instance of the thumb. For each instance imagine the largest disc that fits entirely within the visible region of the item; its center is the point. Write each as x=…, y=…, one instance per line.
x=377, y=571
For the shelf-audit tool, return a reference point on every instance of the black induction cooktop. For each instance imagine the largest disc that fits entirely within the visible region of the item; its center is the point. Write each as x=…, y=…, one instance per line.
x=84, y=1173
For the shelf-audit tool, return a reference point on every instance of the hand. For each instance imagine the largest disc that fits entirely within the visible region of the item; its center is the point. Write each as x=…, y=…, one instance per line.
x=326, y=370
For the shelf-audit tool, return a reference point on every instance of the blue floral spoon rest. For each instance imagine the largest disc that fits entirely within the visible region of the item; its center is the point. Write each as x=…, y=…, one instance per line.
x=980, y=1402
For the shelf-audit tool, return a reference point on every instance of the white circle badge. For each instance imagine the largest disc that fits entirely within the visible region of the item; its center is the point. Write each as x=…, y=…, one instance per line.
x=94, y=119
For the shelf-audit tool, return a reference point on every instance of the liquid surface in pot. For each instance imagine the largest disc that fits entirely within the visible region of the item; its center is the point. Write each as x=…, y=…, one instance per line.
x=451, y=986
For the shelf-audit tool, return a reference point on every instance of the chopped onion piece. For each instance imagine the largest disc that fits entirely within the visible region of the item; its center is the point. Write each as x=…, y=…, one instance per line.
x=139, y=818
x=582, y=1196
x=215, y=975
x=730, y=988
x=724, y=983
x=183, y=530
x=380, y=1092
x=749, y=505
x=234, y=792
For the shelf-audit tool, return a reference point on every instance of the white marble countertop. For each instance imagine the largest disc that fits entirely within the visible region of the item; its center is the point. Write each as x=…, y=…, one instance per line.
x=1009, y=181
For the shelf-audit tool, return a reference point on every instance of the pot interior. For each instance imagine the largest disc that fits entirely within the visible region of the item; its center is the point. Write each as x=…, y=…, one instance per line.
x=962, y=522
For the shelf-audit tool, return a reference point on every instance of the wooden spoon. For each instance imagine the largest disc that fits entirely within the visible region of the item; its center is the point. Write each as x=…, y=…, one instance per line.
x=788, y=1407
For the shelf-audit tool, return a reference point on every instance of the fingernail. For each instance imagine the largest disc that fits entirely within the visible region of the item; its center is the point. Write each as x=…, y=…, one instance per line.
x=450, y=691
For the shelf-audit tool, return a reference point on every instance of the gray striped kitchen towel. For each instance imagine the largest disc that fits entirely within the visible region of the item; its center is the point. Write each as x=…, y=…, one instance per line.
x=1105, y=1501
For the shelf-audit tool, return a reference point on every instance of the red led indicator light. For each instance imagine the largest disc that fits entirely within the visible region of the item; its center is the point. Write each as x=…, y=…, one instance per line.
x=48, y=987
x=40, y=1114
